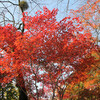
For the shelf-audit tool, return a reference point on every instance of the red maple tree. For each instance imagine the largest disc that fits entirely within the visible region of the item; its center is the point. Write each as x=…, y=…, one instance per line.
x=46, y=53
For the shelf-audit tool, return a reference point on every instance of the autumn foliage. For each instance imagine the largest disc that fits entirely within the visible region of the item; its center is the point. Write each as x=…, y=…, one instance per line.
x=89, y=16
x=52, y=53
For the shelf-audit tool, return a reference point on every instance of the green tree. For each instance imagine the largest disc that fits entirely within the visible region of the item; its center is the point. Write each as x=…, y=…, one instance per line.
x=8, y=92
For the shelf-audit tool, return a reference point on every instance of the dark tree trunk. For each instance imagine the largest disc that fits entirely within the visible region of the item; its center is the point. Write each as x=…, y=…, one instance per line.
x=20, y=83
x=23, y=94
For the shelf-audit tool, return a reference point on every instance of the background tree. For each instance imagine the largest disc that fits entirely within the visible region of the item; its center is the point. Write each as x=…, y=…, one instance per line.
x=89, y=16
x=8, y=92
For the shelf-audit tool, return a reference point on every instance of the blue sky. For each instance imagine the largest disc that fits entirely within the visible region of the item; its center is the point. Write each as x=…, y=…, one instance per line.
x=50, y=4
x=60, y=4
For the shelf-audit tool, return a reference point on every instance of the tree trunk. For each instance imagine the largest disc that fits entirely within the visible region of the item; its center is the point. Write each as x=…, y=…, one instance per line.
x=23, y=94
x=53, y=94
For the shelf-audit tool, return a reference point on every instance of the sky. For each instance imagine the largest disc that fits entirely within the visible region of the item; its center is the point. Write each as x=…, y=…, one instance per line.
x=60, y=4
x=50, y=4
